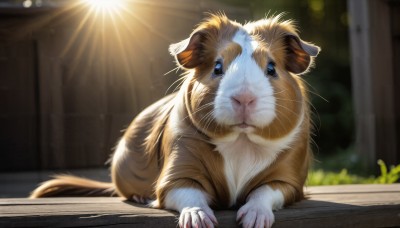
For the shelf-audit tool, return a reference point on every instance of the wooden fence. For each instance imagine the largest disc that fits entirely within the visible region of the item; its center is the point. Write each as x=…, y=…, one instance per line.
x=71, y=80
x=72, y=77
x=375, y=47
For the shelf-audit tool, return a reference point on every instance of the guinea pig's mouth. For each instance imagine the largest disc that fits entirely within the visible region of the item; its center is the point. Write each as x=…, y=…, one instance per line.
x=243, y=125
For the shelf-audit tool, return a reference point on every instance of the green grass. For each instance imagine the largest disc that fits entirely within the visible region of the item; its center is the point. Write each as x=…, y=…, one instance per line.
x=321, y=177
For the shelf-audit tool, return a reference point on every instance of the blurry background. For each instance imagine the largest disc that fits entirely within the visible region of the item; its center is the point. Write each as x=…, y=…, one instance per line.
x=73, y=75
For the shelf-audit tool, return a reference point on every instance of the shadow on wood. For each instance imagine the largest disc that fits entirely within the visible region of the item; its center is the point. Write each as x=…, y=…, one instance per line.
x=328, y=206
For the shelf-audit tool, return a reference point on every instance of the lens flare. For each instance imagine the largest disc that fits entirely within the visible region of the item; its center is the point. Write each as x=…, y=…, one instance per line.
x=105, y=5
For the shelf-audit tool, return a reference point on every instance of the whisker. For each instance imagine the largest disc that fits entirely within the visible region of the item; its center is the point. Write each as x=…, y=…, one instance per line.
x=264, y=109
x=308, y=85
x=210, y=120
x=179, y=80
x=281, y=99
x=207, y=120
x=203, y=107
x=282, y=91
x=174, y=69
x=200, y=109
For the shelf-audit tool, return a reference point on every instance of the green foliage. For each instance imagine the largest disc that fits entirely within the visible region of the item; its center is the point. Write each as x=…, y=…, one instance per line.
x=388, y=177
x=321, y=177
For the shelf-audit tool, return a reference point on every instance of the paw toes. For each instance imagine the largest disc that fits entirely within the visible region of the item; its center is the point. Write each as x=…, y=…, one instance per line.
x=187, y=220
x=196, y=221
x=260, y=223
x=196, y=217
x=249, y=219
x=241, y=212
x=255, y=216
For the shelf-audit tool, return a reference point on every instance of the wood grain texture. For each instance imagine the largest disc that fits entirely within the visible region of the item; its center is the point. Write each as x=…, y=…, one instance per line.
x=327, y=206
x=374, y=59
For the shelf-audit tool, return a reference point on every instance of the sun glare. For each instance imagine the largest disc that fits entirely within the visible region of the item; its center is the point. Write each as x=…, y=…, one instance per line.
x=105, y=5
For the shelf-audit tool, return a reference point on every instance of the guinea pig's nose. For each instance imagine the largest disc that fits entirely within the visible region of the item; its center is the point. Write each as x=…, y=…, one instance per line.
x=243, y=100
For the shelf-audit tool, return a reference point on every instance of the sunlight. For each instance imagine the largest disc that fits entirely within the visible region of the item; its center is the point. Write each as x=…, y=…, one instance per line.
x=105, y=5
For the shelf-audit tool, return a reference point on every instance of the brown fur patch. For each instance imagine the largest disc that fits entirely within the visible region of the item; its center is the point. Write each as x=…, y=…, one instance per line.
x=260, y=55
x=230, y=52
x=136, y=172
x=193, y=163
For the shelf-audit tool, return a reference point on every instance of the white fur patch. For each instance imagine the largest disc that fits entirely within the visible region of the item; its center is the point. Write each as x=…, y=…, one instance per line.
x=265, y=195
x=257, y=212
x=193, y=206
x=243, y=160
x=178, y=199
x=245, y=75
x=246, y=155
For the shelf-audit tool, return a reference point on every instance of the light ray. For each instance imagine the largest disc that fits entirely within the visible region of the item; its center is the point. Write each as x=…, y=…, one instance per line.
x=105, y=5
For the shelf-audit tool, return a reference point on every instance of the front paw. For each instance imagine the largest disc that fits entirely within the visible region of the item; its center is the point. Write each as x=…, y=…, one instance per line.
x=197, y=217
x=255, y=214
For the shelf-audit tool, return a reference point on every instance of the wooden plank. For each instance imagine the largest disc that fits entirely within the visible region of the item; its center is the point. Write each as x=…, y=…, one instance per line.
x=327, y=206
x=352, y=188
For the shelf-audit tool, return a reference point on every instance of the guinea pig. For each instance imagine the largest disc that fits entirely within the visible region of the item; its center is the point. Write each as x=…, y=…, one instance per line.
x=235, y=135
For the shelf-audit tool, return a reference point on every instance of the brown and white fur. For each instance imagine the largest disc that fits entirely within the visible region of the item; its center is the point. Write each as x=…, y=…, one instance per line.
x=232, y=137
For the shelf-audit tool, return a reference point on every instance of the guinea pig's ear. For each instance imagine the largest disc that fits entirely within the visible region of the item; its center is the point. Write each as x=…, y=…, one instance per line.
x=188, y=53
x=298, y=54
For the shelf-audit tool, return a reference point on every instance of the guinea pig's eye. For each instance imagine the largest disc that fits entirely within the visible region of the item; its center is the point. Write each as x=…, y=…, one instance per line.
x=218, y=68
x=271, y=69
